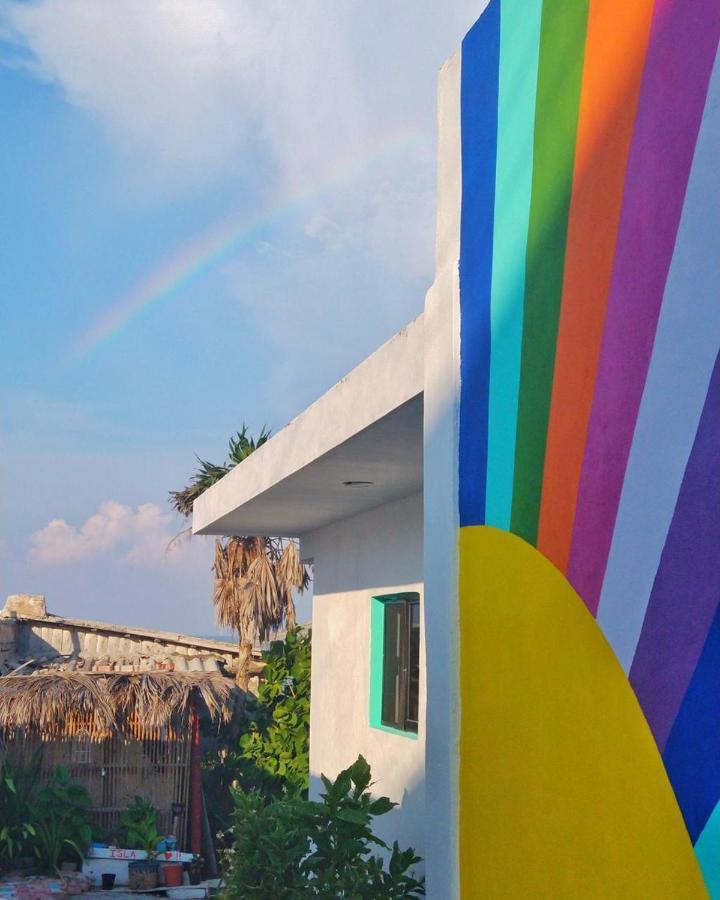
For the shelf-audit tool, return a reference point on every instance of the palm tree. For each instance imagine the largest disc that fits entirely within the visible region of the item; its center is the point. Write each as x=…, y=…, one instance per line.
x=239, y=448
x=255, y=576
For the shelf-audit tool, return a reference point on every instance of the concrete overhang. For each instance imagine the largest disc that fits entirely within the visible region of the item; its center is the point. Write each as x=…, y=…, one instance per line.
x=367, y=428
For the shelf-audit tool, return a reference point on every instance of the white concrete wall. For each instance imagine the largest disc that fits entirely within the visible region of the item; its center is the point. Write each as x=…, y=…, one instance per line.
x=442, y=376
x=377, y=552
x=382, y=383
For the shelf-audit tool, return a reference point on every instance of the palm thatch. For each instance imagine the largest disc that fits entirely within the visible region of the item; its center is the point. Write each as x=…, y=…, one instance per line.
x=61, y=705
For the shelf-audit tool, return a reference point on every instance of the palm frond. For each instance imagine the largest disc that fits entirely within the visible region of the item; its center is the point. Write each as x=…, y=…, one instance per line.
x=241, y=446
x=290, y=569
x=254, y=582
x=207, y=474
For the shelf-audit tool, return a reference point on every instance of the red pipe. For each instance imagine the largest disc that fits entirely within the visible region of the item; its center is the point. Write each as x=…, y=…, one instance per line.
x=195, y=784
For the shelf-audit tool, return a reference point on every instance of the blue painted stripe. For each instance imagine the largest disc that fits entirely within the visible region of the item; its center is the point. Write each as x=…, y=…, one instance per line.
x=708, y=853
x=478, y=112
x=692, y=754
x=519, y=50
x=684, y=351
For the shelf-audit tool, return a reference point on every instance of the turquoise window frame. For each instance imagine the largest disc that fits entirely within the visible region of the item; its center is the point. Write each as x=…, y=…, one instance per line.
x=377, y=654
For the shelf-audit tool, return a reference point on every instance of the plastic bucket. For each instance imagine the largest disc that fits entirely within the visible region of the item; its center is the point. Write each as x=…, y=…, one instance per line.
x=172, y=874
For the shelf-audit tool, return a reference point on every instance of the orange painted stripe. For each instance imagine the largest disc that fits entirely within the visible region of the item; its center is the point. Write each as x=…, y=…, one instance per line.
x=617, y=40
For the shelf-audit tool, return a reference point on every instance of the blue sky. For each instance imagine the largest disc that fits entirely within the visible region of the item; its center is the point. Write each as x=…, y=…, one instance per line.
x=133, y=132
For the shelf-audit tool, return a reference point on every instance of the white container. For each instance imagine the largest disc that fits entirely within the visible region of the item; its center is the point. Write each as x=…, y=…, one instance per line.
x=96, y=868
x=99, y=860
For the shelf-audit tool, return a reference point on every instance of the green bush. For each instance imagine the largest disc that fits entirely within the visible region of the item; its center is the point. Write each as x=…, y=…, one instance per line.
x=277, y=741
x=62, y=822
x=41, y=821
x=291, y=848
x=18, y=798
x=139, y=828
x=272, y=756
x=268, y=840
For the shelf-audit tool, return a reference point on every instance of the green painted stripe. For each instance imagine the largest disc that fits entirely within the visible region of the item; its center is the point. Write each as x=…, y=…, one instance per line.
x=377, y=644
x=562, y=49
x=519, y=47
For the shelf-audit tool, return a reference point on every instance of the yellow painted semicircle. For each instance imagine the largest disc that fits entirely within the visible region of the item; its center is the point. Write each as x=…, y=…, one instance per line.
x=563, y=793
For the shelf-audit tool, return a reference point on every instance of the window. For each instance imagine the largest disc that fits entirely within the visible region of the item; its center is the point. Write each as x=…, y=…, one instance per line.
x=81, y=747
x=395, y=663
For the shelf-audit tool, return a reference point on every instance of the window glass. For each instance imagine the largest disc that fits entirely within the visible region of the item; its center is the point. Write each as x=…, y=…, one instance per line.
x=394, y=653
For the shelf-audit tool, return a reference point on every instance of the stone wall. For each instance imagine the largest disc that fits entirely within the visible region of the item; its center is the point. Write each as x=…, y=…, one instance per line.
x=8, y=641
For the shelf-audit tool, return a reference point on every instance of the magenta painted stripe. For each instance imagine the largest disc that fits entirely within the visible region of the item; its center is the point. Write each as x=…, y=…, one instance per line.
x=681, y=51
x=686, y=591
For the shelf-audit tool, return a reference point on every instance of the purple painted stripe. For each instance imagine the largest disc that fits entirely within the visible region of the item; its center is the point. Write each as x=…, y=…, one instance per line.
x=681, y=51
x=686, y=591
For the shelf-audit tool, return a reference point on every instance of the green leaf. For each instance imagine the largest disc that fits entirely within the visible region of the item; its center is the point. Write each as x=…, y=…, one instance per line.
x=381, y=806
x=342, y=783
x=360, y=773
x=352, y=815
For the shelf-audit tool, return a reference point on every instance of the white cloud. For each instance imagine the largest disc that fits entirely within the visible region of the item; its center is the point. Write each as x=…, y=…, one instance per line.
x=274, y=95
x=195, y=83
x=141, y=536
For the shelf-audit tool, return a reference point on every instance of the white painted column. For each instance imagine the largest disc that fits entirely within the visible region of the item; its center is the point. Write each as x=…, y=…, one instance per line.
x=442, y=370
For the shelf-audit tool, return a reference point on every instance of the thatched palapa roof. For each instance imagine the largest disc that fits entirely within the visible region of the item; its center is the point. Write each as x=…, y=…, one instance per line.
x=59, y=705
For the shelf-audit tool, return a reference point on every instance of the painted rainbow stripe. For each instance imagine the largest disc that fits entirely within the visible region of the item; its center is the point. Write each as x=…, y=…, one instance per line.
x=589, y=420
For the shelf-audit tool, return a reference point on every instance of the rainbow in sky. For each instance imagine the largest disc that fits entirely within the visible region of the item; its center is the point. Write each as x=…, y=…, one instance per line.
x=206, y=251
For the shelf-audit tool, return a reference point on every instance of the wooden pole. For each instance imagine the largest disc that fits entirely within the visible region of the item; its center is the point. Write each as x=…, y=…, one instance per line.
x=195, y=784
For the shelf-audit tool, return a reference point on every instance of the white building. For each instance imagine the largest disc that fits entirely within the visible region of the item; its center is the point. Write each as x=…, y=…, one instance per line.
x=530, y=474
x=346, y=477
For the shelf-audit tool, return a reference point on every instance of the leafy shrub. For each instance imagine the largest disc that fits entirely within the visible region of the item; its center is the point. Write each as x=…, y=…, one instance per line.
x=18, y=795
x=277, y=742
x=270, y=839
x=292, y=848
x=62, y=821
x=272, y=756
x=138, y=827
x=41, y=821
